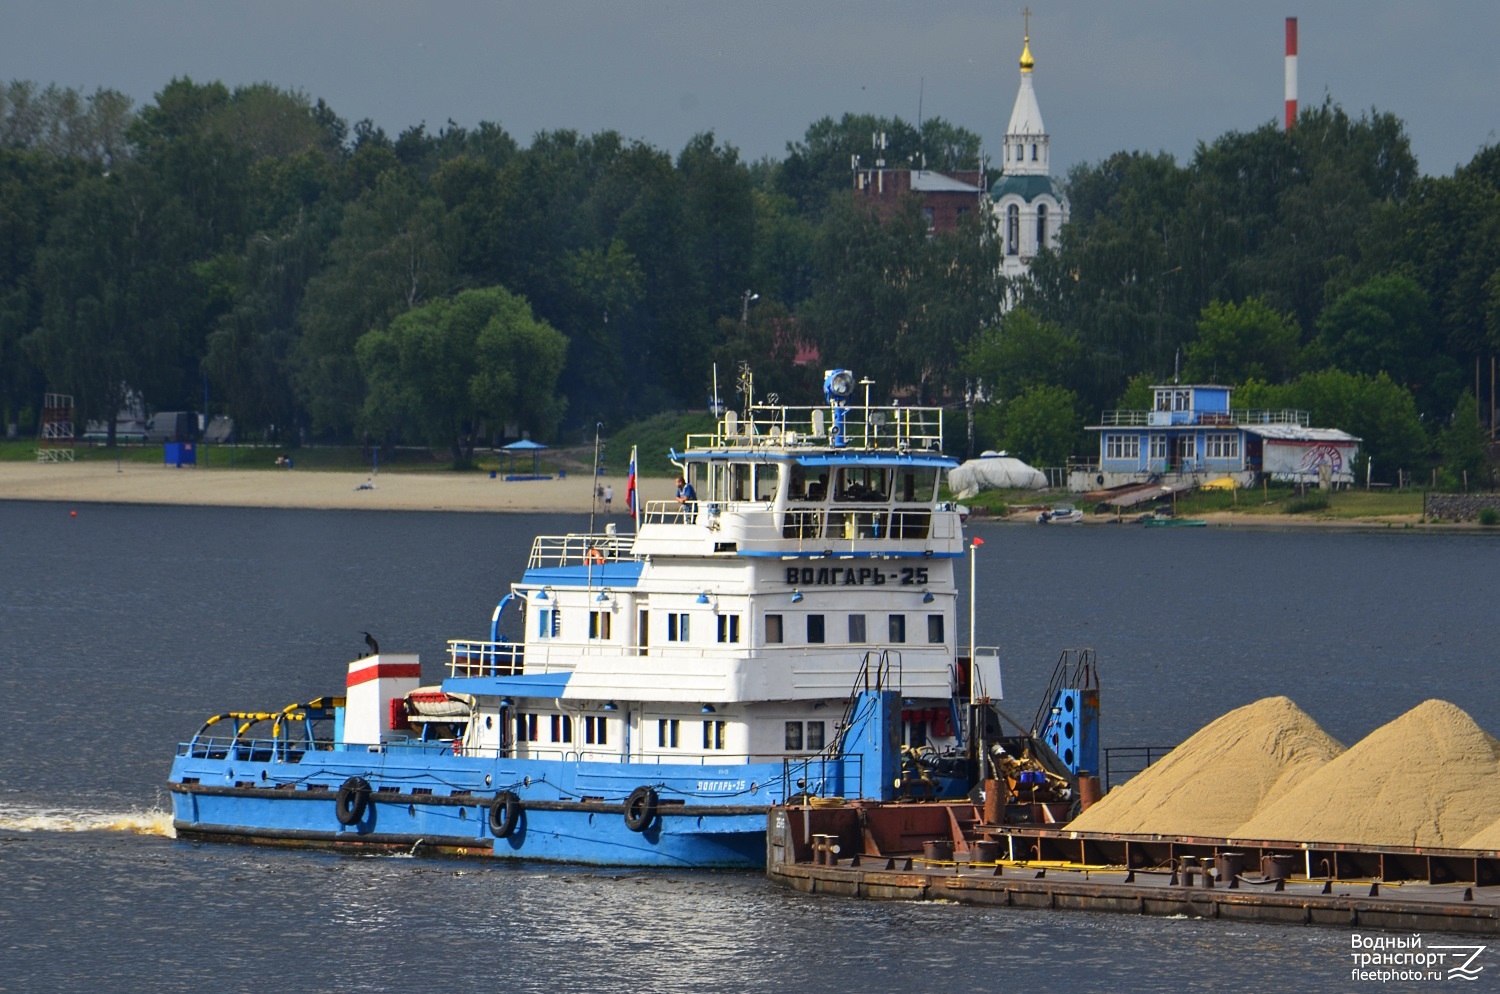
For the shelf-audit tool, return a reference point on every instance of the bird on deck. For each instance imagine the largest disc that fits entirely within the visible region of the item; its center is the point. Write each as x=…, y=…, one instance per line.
x=374, y=645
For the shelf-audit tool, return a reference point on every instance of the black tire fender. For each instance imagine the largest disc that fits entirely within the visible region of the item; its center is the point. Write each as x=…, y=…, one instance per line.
x=640, y=808
x=353, y=799
x=505, y=811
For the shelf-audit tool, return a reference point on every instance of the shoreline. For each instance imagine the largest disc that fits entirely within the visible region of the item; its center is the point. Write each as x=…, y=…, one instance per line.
x=133, y=483
x=474, y=492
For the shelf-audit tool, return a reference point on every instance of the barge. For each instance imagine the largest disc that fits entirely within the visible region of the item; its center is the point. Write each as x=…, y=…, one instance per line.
x=948, y=851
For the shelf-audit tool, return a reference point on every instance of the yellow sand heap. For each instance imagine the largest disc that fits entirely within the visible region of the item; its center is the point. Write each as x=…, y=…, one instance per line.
x=1210, y=784
x=1429, y=778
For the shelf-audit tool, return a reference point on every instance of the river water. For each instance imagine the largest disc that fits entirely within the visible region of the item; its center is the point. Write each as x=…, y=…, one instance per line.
x=123, y=627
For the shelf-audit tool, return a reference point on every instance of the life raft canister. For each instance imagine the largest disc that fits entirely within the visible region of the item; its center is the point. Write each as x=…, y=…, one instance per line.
x=640, y=808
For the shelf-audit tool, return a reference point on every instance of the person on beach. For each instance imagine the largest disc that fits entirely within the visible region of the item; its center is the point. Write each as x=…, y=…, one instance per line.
x=609, y=496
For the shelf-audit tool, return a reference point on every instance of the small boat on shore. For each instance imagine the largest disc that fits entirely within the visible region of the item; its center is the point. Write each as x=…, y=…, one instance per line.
x=1060, y=514
x=1164, y=521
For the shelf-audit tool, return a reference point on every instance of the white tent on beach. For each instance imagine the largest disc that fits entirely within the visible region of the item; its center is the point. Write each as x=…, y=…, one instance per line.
x=994, y=471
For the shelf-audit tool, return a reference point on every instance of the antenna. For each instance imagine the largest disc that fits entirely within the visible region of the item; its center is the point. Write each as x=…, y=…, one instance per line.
x=921, y=91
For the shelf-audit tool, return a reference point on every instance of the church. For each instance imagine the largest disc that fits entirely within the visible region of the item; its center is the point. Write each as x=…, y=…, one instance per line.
x=1029, y=208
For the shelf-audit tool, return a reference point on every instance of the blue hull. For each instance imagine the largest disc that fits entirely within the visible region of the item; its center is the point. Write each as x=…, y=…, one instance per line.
x=707, y=817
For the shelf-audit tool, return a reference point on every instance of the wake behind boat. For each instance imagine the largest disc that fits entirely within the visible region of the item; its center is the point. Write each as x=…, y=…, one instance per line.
x=783, y=630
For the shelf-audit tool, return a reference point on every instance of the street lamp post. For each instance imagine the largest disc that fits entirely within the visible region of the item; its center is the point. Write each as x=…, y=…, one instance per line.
x=749, y=297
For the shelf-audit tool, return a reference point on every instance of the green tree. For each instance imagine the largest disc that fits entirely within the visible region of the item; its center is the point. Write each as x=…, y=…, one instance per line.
x=1020, y=352
x=1043, y=425
x=1382, y=326
x=440, y=370
x=1243, y=341
x=1464, y=443
x=390, y=257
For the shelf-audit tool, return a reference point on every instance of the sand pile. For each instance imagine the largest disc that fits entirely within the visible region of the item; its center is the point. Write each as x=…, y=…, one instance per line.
x=1215, y=781
x=1486, y=838
x=1429, y=778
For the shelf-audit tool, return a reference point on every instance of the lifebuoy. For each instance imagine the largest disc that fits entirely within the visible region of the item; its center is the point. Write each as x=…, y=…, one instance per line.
x=595, y=556
x=354, y=797
x=640, y=808
x=505, y=811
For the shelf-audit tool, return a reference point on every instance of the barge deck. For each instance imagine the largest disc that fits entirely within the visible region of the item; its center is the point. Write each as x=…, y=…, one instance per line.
x=916, y=852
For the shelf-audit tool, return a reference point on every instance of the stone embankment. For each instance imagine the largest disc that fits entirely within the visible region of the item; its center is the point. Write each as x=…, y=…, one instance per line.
x=1458, y=507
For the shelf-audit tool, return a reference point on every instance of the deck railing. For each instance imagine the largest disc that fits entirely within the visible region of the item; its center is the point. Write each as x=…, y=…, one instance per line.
x=579, y=549
x=1164, y=419
x=892, y=428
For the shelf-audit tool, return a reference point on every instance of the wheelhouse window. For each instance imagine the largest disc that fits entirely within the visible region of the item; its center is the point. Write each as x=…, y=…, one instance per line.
x=935, y=629
x=595, y=729
x=713, y=735
x=815, y=628
x=773, y=628
x=599, y=624
x=856, y=629
x=677, y=627
x=562, y=728
x=548, y=623
x=729, y=628
x=666, y=733
x=916, y=485
x=897, y=625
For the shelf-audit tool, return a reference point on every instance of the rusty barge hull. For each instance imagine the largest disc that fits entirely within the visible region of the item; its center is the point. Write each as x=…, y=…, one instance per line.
x=942, y=852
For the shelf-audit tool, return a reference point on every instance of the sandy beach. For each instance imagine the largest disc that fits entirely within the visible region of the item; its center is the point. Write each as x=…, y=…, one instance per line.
x=100, y=482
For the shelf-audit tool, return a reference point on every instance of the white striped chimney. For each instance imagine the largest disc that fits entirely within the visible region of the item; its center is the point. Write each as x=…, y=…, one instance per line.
x=1291, y=72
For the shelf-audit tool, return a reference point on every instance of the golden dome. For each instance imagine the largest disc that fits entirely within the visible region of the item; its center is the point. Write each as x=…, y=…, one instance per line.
x=1026, y=60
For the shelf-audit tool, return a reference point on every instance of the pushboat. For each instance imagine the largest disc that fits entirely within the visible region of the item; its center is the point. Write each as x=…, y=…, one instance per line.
x=786, y=636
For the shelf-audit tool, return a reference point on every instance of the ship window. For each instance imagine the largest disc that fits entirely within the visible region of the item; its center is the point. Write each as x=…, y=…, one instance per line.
x=804, y=736
x=562, y=728
x=548, y=623
x=856, y=628
x=595, y=729
x=526, y=728
x=729, y=628
x=815, y=628
x=898, y=628
x=915, y=485
x=935, y=629
x=599, y=624
x=862, y=483
x=773, y=628
x=713, y=735
x=677, y=627
x=666, y=733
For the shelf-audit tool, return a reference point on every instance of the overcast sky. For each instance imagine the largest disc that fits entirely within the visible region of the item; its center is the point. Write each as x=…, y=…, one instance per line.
x=1156, y=75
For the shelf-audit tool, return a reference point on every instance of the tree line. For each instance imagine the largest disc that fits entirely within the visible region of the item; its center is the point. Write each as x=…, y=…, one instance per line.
x=247, y=252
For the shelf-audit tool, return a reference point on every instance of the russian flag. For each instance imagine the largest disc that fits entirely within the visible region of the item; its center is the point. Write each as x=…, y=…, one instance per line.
x=630, y=498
